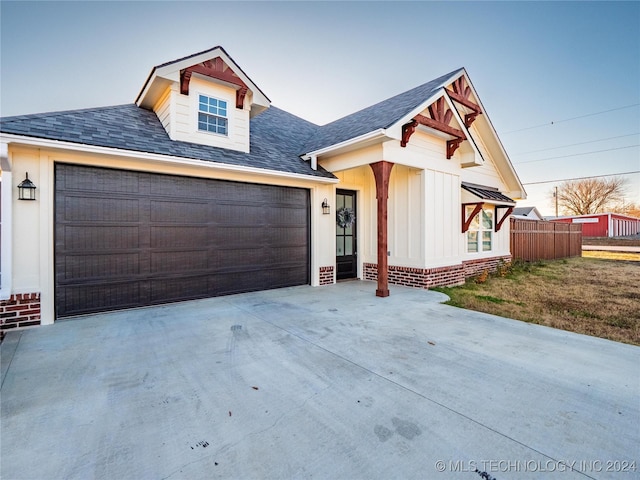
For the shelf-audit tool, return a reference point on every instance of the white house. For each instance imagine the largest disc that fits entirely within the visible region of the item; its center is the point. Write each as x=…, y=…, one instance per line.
x=202, y=188
x=527, y=213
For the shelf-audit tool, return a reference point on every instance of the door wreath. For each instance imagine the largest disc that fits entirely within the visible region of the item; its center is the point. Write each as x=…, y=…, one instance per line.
x=345, y=217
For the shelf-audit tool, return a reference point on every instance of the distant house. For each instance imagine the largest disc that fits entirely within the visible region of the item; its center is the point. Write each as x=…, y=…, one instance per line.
x=604, y=224
x=202, y=188
x=528, y=213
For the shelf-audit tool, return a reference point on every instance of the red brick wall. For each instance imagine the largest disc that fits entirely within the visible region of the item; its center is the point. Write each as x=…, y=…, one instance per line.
x=20, y=310
x=474, y=267
x=435, y=277
x=326, y=275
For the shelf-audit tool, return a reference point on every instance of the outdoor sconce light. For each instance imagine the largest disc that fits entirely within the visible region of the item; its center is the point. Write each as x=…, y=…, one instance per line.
x=26, y=189
x=326, y=209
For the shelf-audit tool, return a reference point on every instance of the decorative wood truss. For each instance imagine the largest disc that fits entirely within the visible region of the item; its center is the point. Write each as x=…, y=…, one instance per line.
x=219, y=70
x=461, y=93
x=466, y=222
x=441, y=115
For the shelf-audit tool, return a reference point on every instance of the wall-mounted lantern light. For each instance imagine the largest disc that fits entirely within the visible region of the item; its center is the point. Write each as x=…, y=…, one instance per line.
x=326, y=209
x=26, y=189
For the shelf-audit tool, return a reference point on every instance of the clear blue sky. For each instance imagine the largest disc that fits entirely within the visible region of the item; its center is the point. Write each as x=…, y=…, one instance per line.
x=532, y=63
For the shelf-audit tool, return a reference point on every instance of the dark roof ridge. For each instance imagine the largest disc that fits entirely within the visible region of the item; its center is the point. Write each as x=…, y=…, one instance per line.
x=192, y=55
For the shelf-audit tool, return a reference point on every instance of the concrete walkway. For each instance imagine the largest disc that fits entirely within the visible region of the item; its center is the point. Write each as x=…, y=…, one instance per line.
x=305, y=382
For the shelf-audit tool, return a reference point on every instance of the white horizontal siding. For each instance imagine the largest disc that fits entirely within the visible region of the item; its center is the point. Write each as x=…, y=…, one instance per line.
x=184, y=126
x=163, y=110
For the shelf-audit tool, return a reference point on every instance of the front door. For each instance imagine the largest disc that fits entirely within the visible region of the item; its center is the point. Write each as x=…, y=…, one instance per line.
x=346, y=231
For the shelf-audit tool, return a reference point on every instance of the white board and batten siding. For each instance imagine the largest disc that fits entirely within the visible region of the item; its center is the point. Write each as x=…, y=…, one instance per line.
x=179, y=115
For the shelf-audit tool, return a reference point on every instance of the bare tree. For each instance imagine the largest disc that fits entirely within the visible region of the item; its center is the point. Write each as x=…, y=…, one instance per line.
x=592, y=195
x=626, y=208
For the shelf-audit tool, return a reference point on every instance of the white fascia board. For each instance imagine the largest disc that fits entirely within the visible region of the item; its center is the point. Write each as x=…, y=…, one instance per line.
x=379, y=134
x=6, y=253
x=77, y=147
x=461, y=124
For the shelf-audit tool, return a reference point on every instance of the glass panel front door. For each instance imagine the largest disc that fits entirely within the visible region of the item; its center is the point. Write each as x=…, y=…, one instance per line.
x=346, y=240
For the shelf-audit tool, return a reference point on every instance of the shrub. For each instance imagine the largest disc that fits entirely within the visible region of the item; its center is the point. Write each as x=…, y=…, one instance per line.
x=504, y=268
x=483, y=277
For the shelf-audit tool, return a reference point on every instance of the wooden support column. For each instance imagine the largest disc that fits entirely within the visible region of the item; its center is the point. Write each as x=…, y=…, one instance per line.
x=382, y=172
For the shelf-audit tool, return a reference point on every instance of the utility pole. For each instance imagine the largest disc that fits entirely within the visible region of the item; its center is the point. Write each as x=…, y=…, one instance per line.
x=555, y=195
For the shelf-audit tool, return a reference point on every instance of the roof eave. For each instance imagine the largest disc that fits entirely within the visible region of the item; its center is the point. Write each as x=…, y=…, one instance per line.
x=10, y=138
x=370, y=138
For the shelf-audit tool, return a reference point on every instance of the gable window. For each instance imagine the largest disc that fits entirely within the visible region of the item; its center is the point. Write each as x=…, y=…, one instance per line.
x=212, y=115
x=480, y=232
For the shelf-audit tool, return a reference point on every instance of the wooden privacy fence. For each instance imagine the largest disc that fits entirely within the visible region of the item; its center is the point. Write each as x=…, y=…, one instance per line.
x=533, y=240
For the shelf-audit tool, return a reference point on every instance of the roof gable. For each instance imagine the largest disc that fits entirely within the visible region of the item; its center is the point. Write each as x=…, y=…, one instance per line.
x=382, y=115
x=214, y=64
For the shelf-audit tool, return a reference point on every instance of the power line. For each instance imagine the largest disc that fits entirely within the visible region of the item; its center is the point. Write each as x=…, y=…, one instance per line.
x=576, y=154
x=581, y=178
x=574, y=144
x=572, y=118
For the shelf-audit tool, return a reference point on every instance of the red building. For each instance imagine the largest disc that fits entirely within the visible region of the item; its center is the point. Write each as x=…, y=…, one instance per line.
x=604, y=224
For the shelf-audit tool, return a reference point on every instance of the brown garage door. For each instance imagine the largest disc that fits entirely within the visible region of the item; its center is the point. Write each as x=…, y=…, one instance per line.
x=127, y=239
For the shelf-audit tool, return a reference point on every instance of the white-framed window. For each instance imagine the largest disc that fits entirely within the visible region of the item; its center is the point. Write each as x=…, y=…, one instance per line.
x=212, y=115
x=480, y=232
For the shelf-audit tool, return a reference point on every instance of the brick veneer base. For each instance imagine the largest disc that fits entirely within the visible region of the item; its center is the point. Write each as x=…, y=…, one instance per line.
x=435, y=277
x=326, y=275
x=19, y=311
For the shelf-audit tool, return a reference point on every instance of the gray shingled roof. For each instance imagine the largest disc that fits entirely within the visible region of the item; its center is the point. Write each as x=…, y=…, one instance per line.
x=276, y=136
x=381, y=115
x=277, y=139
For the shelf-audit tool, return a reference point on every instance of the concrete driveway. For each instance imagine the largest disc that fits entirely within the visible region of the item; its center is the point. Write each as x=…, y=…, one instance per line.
x=305, y=382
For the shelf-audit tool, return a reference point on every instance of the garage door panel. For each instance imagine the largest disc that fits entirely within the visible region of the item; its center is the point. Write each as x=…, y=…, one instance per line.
x=179, y=187
x=237, y=237
x=286, y=236
x=239, y=214
x=285, y=216
x=239, y=258
x=158, y=238
x=174, y=289
x=74, y=300
x=288, y=255
x=228, y=283
x=179, y=261
x=77, y=238
x=178, y=236
x=100, y=180
x=83, y=208
x=180, y=212
x=87, y=267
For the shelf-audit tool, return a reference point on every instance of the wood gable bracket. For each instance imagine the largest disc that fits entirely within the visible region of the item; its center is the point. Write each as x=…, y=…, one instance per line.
x=466, y=222
x=219, y=70
x=439, y=120
x=504, y=217
x=407, y=131
x=460, y=93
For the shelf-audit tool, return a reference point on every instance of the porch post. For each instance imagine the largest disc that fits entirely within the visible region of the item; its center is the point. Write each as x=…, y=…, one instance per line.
x=382, y=172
